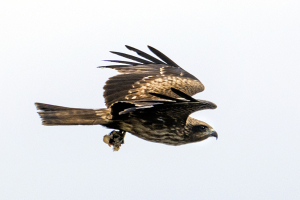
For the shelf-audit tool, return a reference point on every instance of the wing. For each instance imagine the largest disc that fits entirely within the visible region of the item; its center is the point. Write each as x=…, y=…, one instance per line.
x=168, y=112
x=145, y=75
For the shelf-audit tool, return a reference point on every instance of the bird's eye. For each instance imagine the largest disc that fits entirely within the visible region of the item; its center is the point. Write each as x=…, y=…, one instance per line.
x=202, y=127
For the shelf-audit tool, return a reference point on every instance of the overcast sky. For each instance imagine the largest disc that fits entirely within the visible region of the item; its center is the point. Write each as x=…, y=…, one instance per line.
x=246, y=53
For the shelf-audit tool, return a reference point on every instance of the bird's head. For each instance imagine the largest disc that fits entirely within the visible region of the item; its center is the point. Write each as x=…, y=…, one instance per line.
x=201, y=131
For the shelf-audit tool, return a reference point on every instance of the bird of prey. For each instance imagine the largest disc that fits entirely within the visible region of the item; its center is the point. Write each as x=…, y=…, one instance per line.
x=150, y=98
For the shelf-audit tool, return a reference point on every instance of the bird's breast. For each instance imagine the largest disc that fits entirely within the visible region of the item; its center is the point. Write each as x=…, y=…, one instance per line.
x=153, y=132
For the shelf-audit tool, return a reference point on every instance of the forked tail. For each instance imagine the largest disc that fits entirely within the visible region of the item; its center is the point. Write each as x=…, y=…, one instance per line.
x=58, y=115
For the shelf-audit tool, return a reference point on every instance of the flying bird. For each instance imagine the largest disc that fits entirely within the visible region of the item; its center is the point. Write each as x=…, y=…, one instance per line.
x=151, y=98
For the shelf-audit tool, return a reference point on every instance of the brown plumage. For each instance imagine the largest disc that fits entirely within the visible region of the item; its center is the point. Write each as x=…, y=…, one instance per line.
x=138, y=79
x=151, y=99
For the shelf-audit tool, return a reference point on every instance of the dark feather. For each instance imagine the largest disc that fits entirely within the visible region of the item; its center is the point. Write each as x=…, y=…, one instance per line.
x=124, y=62
x=145, y=55
x=59, y=115
x=183, y=95
x=163, y=57
x=132, y=57
x=166, y=97
x=174, y=112
x=117, y=67
x=48, y=107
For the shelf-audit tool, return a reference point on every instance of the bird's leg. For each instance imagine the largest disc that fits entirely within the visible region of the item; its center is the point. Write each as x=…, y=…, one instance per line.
x=115, y=138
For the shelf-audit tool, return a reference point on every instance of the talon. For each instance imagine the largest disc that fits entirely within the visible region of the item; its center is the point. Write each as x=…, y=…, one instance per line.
x=115, y=139
x=116, y=148
x=106, y=139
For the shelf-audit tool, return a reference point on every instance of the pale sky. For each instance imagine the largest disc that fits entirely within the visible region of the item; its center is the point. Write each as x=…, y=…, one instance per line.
x=246, y=53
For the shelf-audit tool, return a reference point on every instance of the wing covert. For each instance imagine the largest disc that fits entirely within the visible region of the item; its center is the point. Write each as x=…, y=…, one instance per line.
x=147, y=75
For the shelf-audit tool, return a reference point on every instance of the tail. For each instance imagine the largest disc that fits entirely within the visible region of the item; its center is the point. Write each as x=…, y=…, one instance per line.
x=58, y=115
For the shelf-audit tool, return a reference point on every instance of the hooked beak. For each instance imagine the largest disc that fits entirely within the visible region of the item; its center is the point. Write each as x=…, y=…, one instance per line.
x=214, y=134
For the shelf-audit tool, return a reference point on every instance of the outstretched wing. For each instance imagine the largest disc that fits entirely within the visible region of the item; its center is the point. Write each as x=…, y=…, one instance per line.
x=145, y=75
x=167, y=111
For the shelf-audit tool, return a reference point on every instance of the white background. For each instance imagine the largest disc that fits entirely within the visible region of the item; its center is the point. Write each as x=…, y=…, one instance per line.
x=246, y=53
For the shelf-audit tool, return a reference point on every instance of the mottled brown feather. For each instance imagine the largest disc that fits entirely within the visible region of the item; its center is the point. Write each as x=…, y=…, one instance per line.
x=137, y=80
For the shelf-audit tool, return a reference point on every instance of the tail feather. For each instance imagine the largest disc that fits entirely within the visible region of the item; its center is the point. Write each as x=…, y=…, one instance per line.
x=58, y=115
